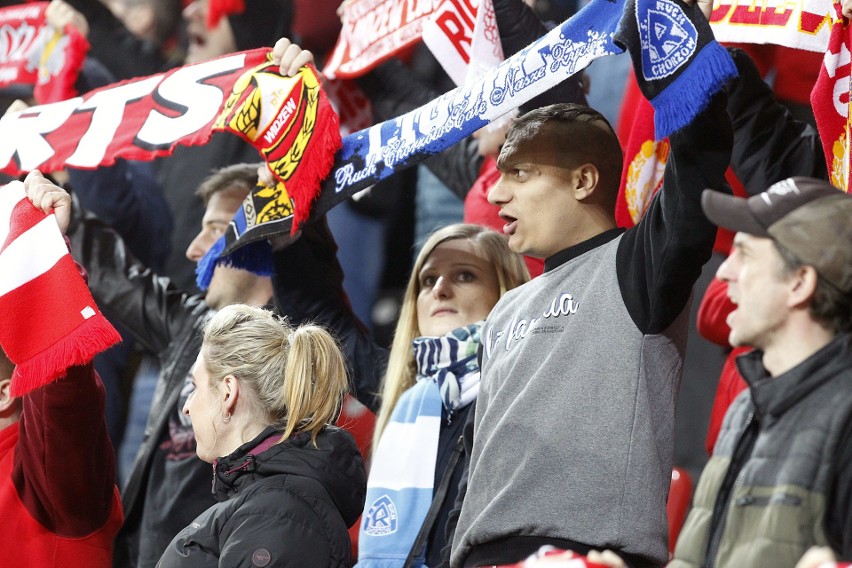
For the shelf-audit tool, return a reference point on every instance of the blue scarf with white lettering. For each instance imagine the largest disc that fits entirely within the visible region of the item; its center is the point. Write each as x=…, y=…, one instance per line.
x=678, y=64
x=401, y=481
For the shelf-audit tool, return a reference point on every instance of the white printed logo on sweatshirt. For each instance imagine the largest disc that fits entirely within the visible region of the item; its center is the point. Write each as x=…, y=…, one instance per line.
x=564, y=304
x=381, y=519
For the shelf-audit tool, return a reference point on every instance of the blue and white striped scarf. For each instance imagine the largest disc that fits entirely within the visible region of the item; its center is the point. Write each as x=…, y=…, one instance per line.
x=401, y=481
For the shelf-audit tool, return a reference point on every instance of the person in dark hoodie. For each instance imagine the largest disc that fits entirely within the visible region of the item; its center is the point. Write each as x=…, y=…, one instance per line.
x=265, y=397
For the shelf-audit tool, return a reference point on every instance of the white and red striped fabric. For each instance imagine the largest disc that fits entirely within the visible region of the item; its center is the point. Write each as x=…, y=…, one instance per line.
x=48, y=319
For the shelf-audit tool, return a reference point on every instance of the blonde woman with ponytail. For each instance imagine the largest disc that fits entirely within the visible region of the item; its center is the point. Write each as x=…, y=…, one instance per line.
x=288, y=481
x=431, y=382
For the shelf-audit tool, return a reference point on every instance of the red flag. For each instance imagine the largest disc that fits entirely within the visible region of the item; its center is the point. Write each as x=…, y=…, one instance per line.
x=33, y=54
x=830, y=101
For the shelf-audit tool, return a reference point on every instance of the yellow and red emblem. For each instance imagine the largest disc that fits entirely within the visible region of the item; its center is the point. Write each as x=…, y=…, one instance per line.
x=292, y=125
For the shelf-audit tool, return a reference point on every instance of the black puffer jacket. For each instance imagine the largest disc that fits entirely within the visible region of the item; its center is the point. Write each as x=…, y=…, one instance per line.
x=287, y=506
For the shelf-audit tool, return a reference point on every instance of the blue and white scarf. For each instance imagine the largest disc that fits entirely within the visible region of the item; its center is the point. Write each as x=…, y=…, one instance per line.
x=401, y=481
x=678, y=64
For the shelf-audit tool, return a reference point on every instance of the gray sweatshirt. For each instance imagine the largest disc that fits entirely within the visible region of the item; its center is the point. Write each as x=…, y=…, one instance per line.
x=573, y=429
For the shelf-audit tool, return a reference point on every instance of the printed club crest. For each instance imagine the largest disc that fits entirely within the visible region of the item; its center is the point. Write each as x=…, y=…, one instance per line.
x=668, y=39
x=382, y=518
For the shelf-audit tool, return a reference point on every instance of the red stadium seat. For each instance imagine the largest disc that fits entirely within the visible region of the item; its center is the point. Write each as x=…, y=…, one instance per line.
x=680, y=495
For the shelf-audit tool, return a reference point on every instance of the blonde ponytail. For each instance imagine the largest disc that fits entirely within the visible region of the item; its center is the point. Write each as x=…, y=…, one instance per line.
x=296, y=376
x=314, y=381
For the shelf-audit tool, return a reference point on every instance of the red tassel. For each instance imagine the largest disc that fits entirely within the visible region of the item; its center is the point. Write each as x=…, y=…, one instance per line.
x=76, y=348
x=325, y=142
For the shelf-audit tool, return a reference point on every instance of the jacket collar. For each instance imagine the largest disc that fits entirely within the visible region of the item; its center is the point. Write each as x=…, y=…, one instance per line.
x=232, y=471
x=774, y=396
x=334, y=462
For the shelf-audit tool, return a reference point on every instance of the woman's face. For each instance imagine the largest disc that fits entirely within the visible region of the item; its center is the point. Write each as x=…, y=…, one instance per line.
x=457, y=287
x=203, y=407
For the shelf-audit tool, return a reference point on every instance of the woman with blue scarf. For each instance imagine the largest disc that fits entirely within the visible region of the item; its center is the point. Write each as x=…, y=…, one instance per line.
x=460, y=273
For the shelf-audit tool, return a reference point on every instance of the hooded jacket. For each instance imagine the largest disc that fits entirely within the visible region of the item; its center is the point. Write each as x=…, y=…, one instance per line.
x=289, y=505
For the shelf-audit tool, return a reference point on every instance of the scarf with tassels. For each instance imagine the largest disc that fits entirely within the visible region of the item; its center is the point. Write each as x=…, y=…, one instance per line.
x=678, y=63
x=292, y=125
x=48, y=319
x=401, y=482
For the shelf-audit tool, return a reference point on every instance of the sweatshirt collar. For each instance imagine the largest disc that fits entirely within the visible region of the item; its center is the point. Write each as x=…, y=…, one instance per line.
x=574, y=251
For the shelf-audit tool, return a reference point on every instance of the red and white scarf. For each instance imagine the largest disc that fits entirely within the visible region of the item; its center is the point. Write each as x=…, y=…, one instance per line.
x=48, y=319
x=813, y=25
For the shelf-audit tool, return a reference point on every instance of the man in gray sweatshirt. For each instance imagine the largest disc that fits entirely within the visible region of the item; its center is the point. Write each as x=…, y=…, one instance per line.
x=573, y=430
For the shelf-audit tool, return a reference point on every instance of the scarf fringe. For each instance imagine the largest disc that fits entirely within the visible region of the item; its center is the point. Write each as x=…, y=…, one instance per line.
x=683, y=100
x=311, y=173
x=206, y=266
x=91, y=337
x=256, y=257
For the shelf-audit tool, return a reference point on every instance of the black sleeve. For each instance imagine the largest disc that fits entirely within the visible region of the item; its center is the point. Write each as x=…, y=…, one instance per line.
x=838, y=519
x=148, y=305
x=127, y=197
x=659, y=259
x=394, y=89
x=125, y=55
x=308, y=287
x=769, y=144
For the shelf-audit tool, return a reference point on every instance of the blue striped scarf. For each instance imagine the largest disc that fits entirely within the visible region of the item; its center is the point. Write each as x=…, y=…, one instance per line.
x=401, y=481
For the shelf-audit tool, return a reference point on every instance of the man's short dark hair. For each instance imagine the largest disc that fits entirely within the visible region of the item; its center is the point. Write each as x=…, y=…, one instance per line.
x=243, y=176
x=830, y=306
x=585, y=136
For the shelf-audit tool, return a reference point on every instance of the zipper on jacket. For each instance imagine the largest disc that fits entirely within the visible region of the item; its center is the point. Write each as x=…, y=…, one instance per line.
x=719, y=518
x=247, y=465
x=775, y=499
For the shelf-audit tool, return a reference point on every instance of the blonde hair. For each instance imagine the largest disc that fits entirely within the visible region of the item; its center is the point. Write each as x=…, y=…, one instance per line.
x=402, y=368
x=296, y=376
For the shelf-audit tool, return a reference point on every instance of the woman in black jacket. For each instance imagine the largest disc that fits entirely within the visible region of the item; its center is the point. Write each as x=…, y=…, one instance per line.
x=290, y=483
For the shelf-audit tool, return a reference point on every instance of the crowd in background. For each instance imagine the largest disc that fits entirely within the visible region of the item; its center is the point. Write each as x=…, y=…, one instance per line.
x=453, y=321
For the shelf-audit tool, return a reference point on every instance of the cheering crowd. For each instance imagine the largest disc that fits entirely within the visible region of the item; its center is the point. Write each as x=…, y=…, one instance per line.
x=518, y=407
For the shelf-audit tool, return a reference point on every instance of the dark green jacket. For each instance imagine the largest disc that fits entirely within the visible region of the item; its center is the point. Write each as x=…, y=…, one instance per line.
x=779, y=479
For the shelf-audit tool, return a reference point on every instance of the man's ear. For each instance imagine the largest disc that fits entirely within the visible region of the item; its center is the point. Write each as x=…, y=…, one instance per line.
x=587, y=177
x=8, y=403
x=803, y=285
